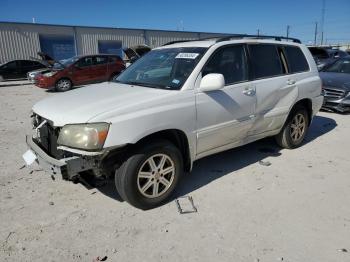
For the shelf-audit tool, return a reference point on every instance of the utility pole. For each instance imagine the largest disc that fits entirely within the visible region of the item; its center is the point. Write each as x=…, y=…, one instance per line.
x=315, y=40
x=288, y=27
x=322, y=19
x=258, y=32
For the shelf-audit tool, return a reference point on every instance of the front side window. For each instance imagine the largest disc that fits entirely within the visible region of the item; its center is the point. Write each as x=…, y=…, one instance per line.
x=230, y=62
x=296, y=59
x=85, y=61
x=163, y=68
x=100, y=60
x=265, y=60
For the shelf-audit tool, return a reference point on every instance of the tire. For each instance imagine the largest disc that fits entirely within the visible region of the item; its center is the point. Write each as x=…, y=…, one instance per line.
x=63, y=84
x=145, y=187
x=294, y=130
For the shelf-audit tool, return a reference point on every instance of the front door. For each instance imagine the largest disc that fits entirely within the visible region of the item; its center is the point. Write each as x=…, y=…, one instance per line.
x=82, y=71
x=225, y=116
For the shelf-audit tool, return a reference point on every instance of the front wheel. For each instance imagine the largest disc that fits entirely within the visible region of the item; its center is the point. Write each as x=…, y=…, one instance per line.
x=63, y=85
x=147, y=178
x=294, y=130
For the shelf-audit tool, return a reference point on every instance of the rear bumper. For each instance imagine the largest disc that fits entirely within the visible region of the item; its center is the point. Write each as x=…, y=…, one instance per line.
x=317, y=103
x=68, y=168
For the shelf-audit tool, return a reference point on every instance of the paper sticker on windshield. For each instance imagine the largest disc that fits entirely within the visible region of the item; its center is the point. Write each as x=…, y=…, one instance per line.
x=187, y=55
x=176, y=81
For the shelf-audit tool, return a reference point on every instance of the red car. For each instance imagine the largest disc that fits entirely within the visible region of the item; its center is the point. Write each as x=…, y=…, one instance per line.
x=80, y=70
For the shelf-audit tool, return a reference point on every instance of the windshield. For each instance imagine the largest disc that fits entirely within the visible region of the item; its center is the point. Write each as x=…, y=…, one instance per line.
x=163, y=68
x=65, y=62
x=340, y=66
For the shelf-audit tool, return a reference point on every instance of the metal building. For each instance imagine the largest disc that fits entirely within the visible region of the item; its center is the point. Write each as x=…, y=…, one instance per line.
x=24, y=40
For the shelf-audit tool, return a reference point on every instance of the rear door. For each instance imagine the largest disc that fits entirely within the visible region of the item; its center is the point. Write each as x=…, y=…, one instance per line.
x=275, y=90
x=225, y=116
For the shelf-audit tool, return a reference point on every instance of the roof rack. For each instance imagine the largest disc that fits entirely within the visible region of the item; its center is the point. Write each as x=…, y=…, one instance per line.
x=238, y=36
x=277, y=38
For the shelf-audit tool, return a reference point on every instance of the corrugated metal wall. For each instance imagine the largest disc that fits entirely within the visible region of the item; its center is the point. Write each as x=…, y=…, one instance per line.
x=21, y=40
x=87, y=38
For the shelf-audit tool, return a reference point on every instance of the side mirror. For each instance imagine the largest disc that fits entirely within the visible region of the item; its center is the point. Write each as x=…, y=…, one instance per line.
x=212, y=82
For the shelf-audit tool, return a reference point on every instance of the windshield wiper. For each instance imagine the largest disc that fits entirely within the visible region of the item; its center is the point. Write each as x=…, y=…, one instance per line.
x=143, y=84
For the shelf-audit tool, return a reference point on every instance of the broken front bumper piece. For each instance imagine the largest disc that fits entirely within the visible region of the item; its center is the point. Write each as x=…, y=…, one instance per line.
x=68, y=168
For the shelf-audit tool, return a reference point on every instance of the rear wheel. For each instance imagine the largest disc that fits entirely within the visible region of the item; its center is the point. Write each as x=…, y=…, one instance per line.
x=294, y=130
x=63, y=85
x=148, y=177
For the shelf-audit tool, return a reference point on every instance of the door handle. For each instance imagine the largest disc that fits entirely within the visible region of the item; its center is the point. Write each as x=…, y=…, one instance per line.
x=290, y=82
x=249, y=91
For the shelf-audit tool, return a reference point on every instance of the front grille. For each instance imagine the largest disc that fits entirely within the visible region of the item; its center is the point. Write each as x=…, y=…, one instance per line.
x=333, y=93
x=46, y=137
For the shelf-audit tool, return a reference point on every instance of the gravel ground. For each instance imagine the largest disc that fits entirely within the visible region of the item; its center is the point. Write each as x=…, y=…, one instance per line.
x=296, y=209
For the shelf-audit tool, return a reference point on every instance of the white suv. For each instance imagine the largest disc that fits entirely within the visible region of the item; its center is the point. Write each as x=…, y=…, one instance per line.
x=180, y=102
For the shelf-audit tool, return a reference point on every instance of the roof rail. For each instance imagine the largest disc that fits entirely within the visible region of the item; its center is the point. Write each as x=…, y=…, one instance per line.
x=277, y=38
x=238, y=36
x=199, y=39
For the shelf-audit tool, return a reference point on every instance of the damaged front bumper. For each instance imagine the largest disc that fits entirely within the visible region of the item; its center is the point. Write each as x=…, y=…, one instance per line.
x=341, y=105
x=69, y=168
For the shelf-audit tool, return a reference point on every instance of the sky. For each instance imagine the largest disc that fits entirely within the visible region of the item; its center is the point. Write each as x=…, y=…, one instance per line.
x=222, y=16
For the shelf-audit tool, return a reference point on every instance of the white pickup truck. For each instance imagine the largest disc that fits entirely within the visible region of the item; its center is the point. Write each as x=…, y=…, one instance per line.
x=178, y=103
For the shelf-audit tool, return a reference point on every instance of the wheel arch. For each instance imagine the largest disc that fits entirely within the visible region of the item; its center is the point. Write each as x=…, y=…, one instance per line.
x=307, y=104
x=176, y=137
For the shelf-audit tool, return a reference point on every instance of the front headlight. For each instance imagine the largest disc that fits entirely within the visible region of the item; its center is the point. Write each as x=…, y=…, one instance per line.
x=84, y=136
x=49, y=74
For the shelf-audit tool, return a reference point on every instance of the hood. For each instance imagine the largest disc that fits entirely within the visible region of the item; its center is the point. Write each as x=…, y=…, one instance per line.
x=48, y=59
x=339, y=80
x=38, y=71
x=45, y=59
x=136, y=51
x=85, y=104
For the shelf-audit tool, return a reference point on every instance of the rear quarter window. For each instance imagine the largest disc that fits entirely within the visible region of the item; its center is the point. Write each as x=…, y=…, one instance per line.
x=296, y=60
x=265, y=60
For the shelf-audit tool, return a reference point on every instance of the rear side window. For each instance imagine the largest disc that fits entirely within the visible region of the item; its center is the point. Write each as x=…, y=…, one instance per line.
x=230, y=62
x=296, y=59
x=265, y=60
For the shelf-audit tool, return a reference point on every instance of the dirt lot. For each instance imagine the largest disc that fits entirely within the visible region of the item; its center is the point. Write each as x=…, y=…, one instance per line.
x=296, y=209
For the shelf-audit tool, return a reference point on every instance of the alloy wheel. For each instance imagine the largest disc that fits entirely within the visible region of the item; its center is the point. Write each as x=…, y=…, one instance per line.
x=156, y=175
x=63, y=84
x=298, y=127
